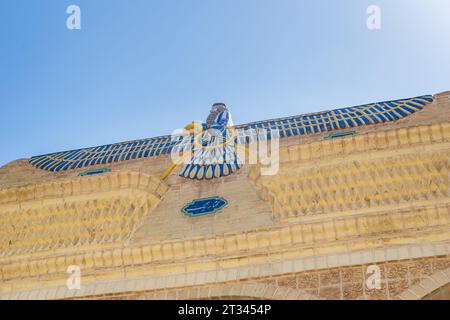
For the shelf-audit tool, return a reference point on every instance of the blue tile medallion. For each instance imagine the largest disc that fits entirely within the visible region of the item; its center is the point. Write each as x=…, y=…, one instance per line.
x=92, y=172
x=202, y=206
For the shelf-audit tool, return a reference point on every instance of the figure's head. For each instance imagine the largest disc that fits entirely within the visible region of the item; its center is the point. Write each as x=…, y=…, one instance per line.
x=216, y=109
x=219, y=106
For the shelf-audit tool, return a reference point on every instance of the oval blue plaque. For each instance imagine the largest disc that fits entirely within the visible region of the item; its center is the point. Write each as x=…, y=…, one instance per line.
x=203, y=206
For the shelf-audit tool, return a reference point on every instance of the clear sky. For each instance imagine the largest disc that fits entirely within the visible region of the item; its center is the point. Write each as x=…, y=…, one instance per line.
x=142, y=68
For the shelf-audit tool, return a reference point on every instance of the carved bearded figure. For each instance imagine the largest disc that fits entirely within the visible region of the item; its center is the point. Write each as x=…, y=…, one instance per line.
x=213, y=149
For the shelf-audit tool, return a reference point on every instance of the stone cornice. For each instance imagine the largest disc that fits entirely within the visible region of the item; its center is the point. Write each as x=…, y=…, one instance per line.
x=59, y=190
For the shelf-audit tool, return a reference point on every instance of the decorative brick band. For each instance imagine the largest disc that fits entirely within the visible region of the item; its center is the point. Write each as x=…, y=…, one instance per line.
x=75, y=213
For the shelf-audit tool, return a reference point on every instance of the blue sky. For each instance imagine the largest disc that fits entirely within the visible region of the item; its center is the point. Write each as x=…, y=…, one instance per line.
x=143, y=68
